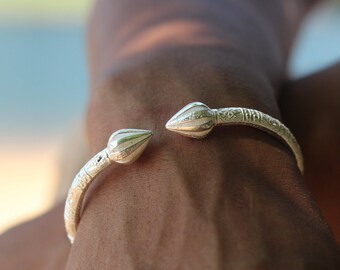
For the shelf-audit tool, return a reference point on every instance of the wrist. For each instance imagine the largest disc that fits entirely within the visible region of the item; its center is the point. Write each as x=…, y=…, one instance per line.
x=238, y=180
x=184, y=195
x=147, y=94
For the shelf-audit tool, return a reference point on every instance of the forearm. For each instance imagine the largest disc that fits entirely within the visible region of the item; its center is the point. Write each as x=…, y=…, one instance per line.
x=189, y=202
x=216, y=45
x=315, y=102
x=234, y=200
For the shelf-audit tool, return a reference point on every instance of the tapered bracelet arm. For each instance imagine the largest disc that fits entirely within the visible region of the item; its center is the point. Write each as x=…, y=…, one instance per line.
x=78, y=189
x=124, y=146
x=196, y=120
x=254, y=118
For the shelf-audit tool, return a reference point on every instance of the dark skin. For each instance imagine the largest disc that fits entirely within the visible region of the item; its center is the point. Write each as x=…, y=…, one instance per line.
x=316, y=123
x=235, y=200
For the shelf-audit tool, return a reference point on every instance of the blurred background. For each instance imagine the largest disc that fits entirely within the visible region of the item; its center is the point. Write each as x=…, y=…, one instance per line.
x=42, y=99
x=43, y=92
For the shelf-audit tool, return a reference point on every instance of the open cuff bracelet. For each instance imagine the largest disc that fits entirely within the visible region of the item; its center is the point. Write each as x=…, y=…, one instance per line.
x=195, y=120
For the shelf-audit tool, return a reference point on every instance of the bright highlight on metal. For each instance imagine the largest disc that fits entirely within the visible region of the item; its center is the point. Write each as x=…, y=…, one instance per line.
x=124, y=146
x=196, y=120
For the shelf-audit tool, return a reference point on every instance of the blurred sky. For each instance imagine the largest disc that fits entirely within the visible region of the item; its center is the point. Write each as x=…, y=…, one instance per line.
x=43, y=91
x=318, y=43
x=42, y=11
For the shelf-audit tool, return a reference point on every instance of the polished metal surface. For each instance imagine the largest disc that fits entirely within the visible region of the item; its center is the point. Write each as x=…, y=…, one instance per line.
x=196, y=120
x=124, y=146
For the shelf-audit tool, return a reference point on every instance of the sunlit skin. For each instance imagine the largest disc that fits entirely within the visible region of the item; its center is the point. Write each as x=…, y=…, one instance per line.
x=235, y=200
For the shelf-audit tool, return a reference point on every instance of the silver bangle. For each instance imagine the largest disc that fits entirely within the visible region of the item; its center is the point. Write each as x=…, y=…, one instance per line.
x=196, y=120
x=124, y=146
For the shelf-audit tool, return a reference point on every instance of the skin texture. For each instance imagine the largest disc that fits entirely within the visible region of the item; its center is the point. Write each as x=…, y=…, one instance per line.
x=235, y=200
x=310, y=107
x=37, y=244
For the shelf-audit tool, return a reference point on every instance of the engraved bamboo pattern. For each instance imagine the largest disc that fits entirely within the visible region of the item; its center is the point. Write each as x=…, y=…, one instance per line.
x=251, y=117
